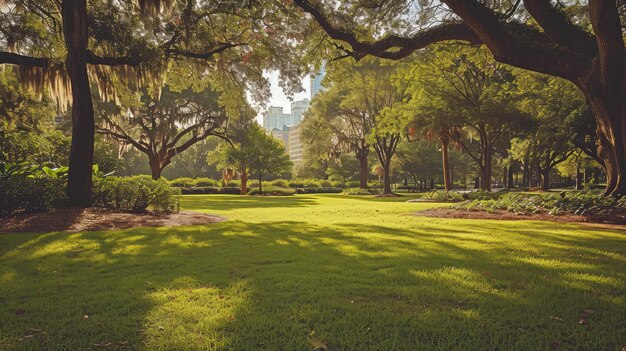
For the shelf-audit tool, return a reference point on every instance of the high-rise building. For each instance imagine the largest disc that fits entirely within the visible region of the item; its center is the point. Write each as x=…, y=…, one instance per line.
x=276, y=118
x=297, y=111
x=316, y=79
x=295, y=146
x=282, y=135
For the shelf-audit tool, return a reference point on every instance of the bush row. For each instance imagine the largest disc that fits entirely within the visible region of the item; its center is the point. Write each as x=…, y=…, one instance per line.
x=359, y=191
x=573, y=202
x=211, y=190
x=28, y=195
x=186, y=182
x=273, y=191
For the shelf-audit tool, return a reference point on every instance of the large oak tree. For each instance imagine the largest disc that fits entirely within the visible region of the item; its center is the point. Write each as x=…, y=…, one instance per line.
x=537, y=35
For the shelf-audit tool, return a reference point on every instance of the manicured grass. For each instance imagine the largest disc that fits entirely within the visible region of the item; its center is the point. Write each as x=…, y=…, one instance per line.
x=295, y=273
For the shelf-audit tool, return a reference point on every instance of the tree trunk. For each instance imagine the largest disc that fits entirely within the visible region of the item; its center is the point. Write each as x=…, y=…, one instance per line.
x=510, y=183
x=485, y=172
x=244, y=182
x=579, y=176
x=361, y=155
x=155, y=167
x=611, y=139
x=260, y=184
x=386, y=178
x=545, y=179
x=79, y=183
x=445, y=140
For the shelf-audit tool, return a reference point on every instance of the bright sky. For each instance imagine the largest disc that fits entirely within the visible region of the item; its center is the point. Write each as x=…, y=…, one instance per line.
x=279, y=98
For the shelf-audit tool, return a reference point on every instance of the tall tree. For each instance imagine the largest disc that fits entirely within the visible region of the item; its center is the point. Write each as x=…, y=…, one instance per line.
x=165, y=127
x=53, y=42
x=470, y=99
x=540, y=36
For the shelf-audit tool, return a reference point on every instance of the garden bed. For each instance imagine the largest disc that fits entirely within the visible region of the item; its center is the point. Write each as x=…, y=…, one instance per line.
x=442, y=212
x=96, y=219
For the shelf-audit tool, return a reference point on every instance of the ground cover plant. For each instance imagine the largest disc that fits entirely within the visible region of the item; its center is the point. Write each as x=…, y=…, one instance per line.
x=331, y=272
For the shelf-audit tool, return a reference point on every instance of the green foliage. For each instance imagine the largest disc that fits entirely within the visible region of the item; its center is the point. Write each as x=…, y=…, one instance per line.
x=183, y=182
x=567, y=202
x=279, y=183
x=320, y=190
x=444, y=196
x=305, y=183
x=359, y=191
x=135, y=194
x=273, y=191
x=204, y=182
x=27, y=188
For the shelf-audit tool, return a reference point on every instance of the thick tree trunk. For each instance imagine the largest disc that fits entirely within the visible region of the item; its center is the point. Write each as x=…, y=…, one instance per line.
x=79, y=183
x=545, y=179
x=485, y=172
x=444, y=138
x=386, y=178
x=611, y=140
x=244, y=182
x=157, y=164
x=361, y=155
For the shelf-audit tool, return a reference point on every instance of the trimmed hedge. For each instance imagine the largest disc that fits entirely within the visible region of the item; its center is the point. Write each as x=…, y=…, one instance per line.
x=324, y=190
x=359, y=191
x=211, y=190
x=136, y=194
x=273, y=191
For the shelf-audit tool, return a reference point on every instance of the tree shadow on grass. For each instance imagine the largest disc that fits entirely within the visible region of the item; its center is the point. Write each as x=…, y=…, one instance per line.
x=291, y=285
x=228, y=202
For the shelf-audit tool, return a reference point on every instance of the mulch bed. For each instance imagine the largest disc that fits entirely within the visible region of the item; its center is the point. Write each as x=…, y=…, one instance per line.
x=93, y=219
x=442, y=212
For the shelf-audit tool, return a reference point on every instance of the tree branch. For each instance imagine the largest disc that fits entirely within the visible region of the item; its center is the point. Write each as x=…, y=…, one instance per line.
x=22, y=60
x=560, y=29
x=206, y=55
x=392, y=46
x=112, y=61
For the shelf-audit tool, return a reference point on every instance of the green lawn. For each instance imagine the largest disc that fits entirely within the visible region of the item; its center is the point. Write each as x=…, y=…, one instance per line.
x=305, y=271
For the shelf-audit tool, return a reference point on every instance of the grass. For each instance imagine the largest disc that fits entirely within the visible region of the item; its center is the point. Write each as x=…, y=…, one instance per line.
x=296, y=273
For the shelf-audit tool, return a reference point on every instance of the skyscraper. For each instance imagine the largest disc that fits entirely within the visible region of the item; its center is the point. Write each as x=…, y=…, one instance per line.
x=316, y=79
x=276, y=118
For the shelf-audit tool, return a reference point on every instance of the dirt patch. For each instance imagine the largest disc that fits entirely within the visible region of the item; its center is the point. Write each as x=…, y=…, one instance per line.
x=78, y=219
x=614, y=221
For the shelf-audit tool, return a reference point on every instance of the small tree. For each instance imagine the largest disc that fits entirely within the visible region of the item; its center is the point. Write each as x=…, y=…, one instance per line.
x=252, y=151
x=267, y=155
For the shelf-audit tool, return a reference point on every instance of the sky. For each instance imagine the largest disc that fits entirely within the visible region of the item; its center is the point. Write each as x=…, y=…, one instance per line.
x=279, y=98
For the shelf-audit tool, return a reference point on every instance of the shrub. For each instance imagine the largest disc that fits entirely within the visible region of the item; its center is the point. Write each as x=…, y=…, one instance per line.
x=304, y=183
x=200, y=190
x=29, y=195
x=336, y=184
x=574, y=202
x=230, y=190
x=27, y=188
x=236, y=183
x=353, y=184
x=136, y=194
x=325, y=183
x=274, y=191
x=278, y=182
x=483, y=195
x=359, y=191
x=444, y=196
x=183, y=182
x=204, y=182
x=324, y=190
